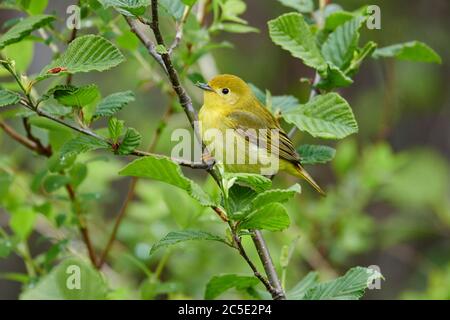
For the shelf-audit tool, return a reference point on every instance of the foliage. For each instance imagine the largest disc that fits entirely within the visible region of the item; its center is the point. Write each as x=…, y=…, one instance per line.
x=80, y=139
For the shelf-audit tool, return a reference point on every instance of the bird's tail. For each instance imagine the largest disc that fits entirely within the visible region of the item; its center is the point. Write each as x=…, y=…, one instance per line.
x=302, y=173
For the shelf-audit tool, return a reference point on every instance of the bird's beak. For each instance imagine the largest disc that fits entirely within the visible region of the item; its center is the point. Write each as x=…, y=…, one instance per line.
x=204, y=86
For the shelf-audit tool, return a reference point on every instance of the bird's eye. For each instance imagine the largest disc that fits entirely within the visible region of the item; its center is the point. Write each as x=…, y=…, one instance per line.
x=225, y=90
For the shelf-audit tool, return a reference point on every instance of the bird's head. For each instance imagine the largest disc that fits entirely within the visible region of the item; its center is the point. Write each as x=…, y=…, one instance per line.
x=225, y=89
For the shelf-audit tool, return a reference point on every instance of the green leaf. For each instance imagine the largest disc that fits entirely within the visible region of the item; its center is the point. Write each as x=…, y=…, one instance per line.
x=8, y=97
x=37, y=6
x=128, y=40
x=336, y=78
x=150, y=289
x=23, y=28
x=115, y=129
x=21, y=53
x=5, y=248
x=22, y=221
x=72, y=279
x=282, y=104
x=272, y=217
x=53, y=182
x=412, y=51
x=254, y=181
x=299, y=290
x=113, y=103
x=82, y=144
x=278, y=104
x=274, y=195
x=128, y=7
x=259, y=94
x=219, y=284
x=337, y=18
x=244, y=200
x=292, y=33
x=174, y=8
x=49, y=125
x=163, y=169
x=326, y=116
x=5, y=182
x=314, y=154
x=360, y=55
x=185, y=235
x=72, y=96
x=57, y=164
x=59, y=87
x=304, y=6
x=240, y=199
x=351, y=286
x=189, y=2
x=235, y=27
x=56, y=110
x=161, y=49
x=84, y=54
x=342, y=42
x=231, y=10
x=130, y=142
x=78, y=174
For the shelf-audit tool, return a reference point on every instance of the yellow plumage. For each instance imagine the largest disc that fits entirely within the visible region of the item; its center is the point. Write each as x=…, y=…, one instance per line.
x=230, y=104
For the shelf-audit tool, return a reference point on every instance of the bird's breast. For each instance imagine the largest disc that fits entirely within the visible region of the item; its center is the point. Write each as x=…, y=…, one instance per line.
x=211, y=118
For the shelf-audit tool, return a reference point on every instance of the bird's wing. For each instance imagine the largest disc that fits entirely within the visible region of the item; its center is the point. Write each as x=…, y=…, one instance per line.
x=242, y=121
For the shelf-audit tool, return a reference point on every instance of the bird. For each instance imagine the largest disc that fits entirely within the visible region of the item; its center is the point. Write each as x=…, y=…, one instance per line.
x=233, y=122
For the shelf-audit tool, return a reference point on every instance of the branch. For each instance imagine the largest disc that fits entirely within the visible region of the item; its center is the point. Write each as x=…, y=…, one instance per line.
x=138, y=153
x=238, y=245
x=179, y=29
x=72, y=37
x=183, y=97
x=264, y=255
x=35, y=144
x=149, y=45
x=202, y=10
x=47, y=115
x=18, y=137
x=188, y=108
x=46, y=151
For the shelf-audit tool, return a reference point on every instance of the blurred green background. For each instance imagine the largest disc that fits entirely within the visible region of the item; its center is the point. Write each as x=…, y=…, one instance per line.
x=388, y=188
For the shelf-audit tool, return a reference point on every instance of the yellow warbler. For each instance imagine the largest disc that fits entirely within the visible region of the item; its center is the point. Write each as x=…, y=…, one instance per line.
x=233, y=122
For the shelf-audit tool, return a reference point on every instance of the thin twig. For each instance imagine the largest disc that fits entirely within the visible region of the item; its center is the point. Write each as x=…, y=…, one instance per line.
x=47, y=115
x=201, y=11
x=72, y=37
x=149, y=45
x=53, y=47
x=238, y=245
x=266, y=259
x=179, y=29
x=18, y=137
x=222, y=215
x=183, y=97
x=186, y=103
x=44, y=150
x=85, y=131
